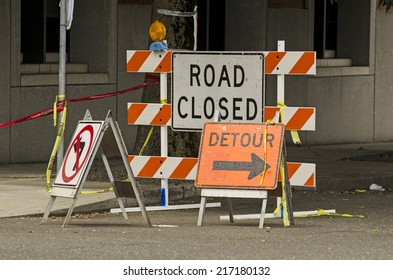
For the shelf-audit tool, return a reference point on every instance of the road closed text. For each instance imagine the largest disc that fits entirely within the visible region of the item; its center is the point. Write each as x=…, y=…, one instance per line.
x=241, y=109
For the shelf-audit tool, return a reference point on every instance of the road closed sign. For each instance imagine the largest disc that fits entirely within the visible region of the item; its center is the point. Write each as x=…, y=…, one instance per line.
x=240, y=155
x=78, y=154
x=206, y=83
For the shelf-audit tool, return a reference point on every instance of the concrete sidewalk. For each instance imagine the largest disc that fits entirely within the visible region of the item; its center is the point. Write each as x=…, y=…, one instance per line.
x=22, y=186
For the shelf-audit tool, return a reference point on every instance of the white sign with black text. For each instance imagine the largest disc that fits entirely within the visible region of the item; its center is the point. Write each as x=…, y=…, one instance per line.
x=204, y=83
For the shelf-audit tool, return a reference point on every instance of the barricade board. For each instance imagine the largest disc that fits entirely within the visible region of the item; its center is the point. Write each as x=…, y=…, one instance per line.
x=276, y=62
x=235, y=155
x=178, y=168
x=294, y=118
x=144, y=61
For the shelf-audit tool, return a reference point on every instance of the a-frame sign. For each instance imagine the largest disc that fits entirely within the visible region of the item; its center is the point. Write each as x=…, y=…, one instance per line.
x=90, y=137
x=243, y=160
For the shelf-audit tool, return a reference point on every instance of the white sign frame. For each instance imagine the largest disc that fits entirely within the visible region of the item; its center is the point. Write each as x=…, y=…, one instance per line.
x=203, y=83
x=107, y=139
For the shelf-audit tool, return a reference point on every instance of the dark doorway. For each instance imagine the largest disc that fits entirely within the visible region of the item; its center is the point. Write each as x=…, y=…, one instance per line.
x=39, y=29
x=211, y=25
x=325, y=27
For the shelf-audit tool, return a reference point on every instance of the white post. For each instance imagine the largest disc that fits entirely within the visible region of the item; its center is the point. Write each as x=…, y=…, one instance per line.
x=280, y=90
x=281, y=77
x=164, y=140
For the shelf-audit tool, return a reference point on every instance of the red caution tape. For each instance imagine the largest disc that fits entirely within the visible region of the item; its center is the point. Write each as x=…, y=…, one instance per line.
x=61, y=105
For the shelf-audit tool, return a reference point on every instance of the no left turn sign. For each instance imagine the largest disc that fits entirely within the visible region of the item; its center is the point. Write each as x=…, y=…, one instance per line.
x=78, y=153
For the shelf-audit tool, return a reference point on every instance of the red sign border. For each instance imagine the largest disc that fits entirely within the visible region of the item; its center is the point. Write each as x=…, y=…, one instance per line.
x=90, y=129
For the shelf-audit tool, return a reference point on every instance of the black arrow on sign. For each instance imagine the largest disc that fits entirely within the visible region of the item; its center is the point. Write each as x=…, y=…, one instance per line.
x=255, y=166
x=78, y=149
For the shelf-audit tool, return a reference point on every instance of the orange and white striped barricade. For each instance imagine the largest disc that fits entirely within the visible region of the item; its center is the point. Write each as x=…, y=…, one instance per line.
x=278, y=63
x=300, y=174
x=156, y=167
x=295, y=118
x=160, y=114
x=146, y=61
x=290, y=63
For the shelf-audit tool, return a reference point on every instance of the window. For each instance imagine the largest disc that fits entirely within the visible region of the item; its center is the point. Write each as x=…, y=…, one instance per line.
x=342, y=32
x=39, y=29
x=325, y=29
x=211, y=25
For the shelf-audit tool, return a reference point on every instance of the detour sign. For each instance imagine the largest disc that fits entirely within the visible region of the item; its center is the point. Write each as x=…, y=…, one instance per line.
x=232, y=155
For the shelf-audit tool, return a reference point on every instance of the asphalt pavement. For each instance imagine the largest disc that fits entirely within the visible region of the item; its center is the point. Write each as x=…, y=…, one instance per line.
x=22, y=186
x=361, y=228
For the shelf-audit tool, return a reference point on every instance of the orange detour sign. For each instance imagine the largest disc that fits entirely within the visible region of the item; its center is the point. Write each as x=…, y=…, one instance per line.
x=240, y=155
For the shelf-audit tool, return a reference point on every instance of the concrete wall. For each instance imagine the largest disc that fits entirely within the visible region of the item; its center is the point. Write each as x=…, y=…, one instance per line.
x=353, y=103
x=344, y=107
x=343, y=97
x=132, y=35
x=5, y=66
x=32, y=141
x=89, y=35
x=245, y=25
x=291, y=25
x=353, y=32
x=383, y=77
x=100, y=35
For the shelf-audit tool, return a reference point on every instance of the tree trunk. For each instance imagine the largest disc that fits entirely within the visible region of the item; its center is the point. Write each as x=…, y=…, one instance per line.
x=180, y=35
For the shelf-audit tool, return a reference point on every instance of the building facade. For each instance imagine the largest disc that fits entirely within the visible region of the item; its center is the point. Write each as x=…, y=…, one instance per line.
x=352, y=90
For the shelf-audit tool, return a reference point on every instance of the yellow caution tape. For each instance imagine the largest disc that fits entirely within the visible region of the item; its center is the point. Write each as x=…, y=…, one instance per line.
x=265, y=151
x=277, y=211
x=283, y=206
x=162, y=101
x=58, y=97
x=146, y=141
x=294, y=133
x=360, y=191
x=321, y=212
x=56, y=147
x=284, y=195
x=97, y=191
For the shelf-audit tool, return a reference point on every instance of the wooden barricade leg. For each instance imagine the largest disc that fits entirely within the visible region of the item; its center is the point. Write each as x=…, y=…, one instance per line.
x=230, y=209
x=232, y=193
x=286, y=192
x=48, y=209
x=124, y=153
x=69, y=213
x=263, y=212
x=201, y=211
x=115, y=189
